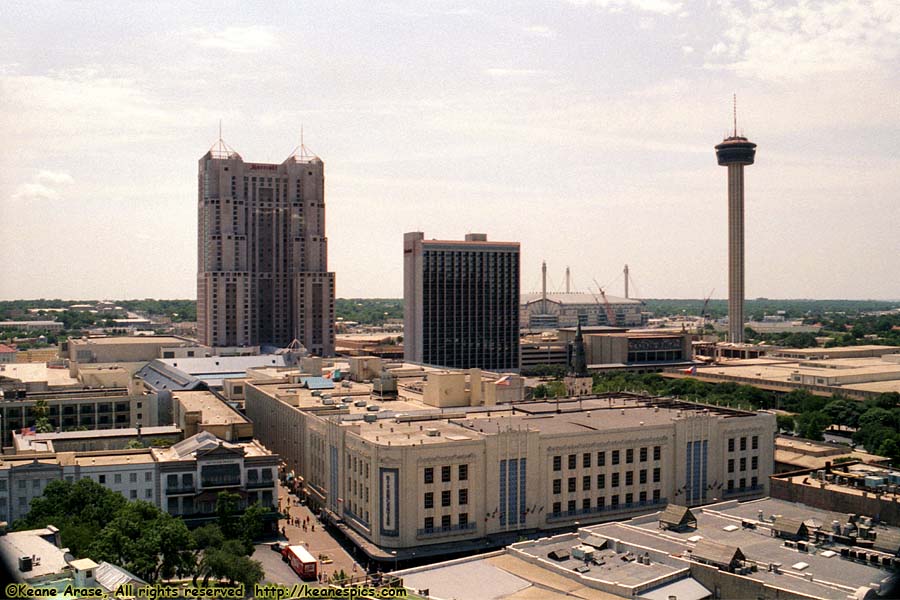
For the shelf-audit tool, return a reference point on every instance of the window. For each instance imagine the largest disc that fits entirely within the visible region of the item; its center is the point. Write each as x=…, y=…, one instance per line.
x=429, y=474
x=743, y=443
x=557, y=463
x=615, y=480
x=132, y=477
x=148, y=476
x=429, y=499
x=429, y=522
x=102, y=479
x=557, y=508
x=642, y=476
x=601, y=481
x=463, y=497
x=615, y=457
x=731, y=444
x=642, y=497
x=571, y=484
x=586, y=482
x=644, y=454
x=571, y=506
x=463, y=472
x=36, y=484
x=133, y=494
x=445, y=498
x=743, y=463
x=557, y=486
x=445, y=521
x=601, y=459
x=754, y=462
x=754, y=481
x=445, y=473
x=629, y=456
x=586, y=504
x=601, y=502
x=731, y=484
x=586, y=460
x=629, y=477
x=656, y=475
x=657, y=452
x=656, y=495
x=463, y=519
x=743, y=482
x=148, y=493
x=629, y=498
x=754, y=442
x=731, y=465
x=614, y=500
x=572, y=461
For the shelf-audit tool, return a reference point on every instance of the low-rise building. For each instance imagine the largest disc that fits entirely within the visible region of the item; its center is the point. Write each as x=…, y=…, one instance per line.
x=402, y=474
x=123, y=349
x=794, y=454
x=31, y=325
x=554, y=310
x=764, y=548
x=7, y=354
x=95, y=439
x=203, y=411
x=847, y=487
x=183, y=479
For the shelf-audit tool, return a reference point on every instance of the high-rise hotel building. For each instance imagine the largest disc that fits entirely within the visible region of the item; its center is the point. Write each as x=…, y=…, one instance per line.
x=262, y=265
x=461, y=302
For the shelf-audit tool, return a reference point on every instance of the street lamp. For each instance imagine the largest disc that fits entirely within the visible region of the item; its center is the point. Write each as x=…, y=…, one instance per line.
x=394, y=552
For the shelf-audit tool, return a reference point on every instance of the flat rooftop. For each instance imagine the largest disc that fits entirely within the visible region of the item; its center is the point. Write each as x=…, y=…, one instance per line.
x=132, y=339
x=818, y=573
x=214, y=411
x=37, y=372
x=51, y=559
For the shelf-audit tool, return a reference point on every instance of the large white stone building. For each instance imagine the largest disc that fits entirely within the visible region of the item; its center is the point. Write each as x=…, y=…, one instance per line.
x=401, y=475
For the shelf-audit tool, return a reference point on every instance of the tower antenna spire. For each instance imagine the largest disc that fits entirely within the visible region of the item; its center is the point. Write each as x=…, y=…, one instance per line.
x=220, y=130
x=734, y=100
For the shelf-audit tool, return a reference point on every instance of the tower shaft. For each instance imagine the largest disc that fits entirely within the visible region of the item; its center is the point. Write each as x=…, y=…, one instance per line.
x=736, y=252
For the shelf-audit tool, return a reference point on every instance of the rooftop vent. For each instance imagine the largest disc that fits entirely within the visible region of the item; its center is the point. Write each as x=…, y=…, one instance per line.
x=432, y=432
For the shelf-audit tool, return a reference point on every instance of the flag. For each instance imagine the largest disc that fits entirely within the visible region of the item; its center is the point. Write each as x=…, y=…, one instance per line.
x=691, y=371
x=503, y=380
x=28, y=430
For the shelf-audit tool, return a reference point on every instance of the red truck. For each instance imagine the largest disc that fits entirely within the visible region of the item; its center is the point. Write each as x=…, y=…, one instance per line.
x=301, y=561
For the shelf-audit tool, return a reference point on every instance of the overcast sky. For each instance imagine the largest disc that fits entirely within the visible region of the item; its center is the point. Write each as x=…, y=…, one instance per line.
x=582, y=129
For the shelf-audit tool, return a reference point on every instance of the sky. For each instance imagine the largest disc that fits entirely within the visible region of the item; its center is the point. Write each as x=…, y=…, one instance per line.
x=583, y=129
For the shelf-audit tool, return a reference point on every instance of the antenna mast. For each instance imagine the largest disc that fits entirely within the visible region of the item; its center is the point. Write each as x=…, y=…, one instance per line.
x=734, y=100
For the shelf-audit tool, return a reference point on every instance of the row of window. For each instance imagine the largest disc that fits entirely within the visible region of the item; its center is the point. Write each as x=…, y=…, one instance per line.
x=462, y=473
x=615, y=479
x=462, y=521
x=754, y=443
x=572, y=505
x=754, y=463
x=615, y=458
x=462, y=498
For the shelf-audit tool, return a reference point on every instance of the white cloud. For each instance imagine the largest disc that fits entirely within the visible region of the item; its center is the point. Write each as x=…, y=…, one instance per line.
x=44, y=187
x=502, y=72
x=235, y=39
x=687, y=49
x=539, y=31
x=805, y=38
x=662, y=7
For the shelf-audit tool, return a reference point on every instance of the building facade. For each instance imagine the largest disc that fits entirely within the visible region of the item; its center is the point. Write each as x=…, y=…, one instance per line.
x=461, y=302
x=262, y=274
x=183, y=480
x=407, y=480
x=554, y=310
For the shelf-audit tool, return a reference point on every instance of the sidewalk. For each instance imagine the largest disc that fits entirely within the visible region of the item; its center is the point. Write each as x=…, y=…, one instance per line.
x=318, y=541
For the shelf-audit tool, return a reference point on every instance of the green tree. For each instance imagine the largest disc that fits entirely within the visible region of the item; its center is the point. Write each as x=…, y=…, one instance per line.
x=812, y=424
x=251, y=524
x=41, y=414
x=785, y=422
x=80, y=510
x=227, y=514
x=146, y=541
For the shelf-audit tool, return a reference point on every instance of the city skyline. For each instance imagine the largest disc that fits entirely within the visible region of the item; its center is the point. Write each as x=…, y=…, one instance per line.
x=583, y=130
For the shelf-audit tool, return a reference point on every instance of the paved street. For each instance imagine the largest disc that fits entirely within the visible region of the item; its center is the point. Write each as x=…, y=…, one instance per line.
x=317, y=542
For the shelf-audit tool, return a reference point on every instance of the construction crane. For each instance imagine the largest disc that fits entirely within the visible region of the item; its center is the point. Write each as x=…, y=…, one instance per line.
x=610, y=313
x=702, y=323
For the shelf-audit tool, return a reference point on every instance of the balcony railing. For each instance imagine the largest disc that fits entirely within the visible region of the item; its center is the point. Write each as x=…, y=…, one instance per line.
x=426, y=531
x=595, y=510
x=750, y=489
x=261, y=483
x=181, y=489
x=221, y=482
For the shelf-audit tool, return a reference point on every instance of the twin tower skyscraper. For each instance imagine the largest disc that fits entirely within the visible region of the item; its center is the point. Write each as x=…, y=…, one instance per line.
x=262, y=261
